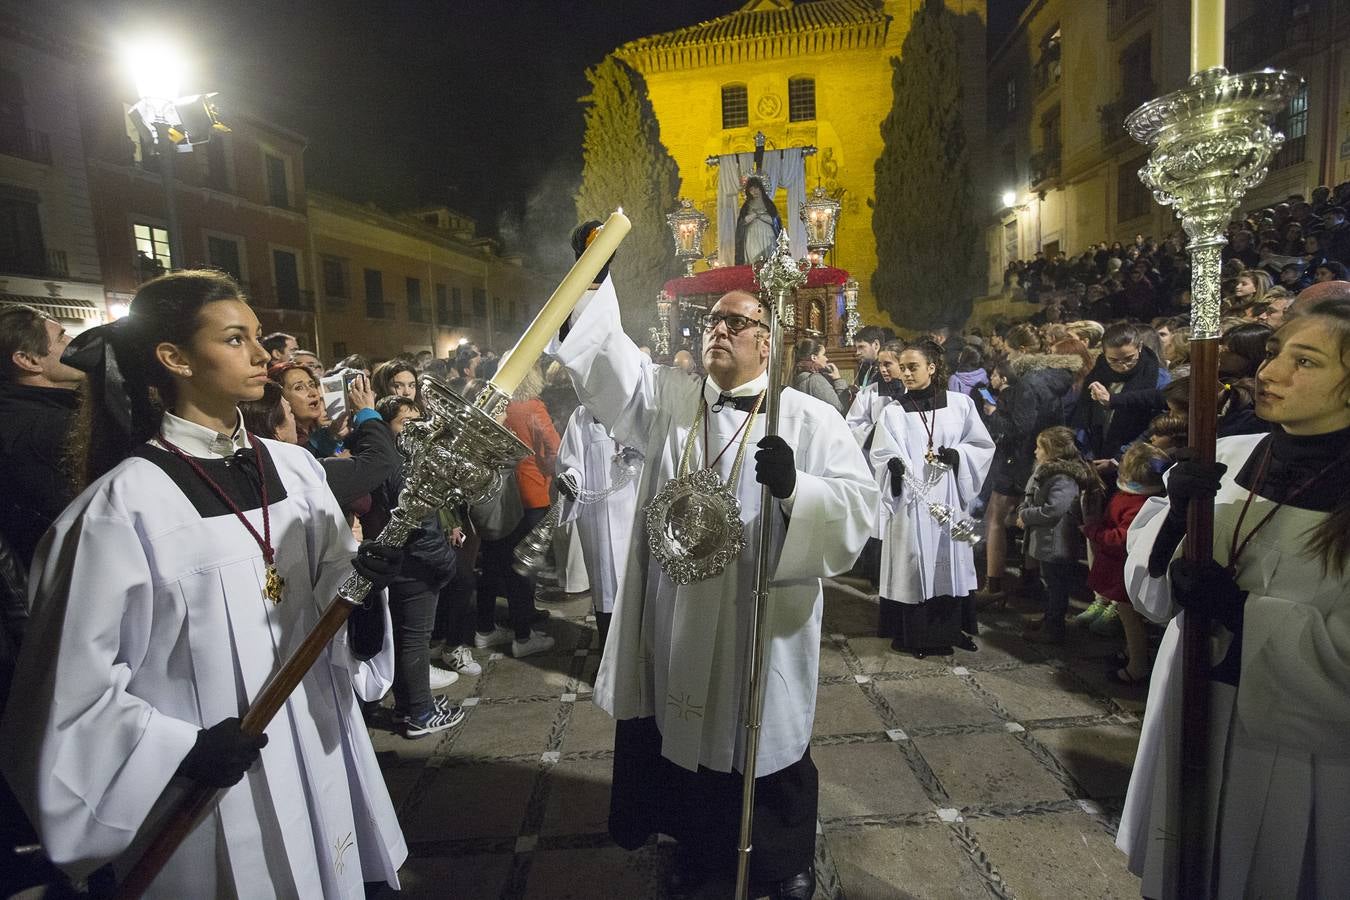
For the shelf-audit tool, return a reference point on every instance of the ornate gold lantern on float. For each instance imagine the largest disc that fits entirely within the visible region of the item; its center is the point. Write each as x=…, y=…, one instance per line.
x=820, y=215
x=687, y=225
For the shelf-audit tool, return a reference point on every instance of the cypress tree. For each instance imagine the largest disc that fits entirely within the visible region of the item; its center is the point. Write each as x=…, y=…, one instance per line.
x=928, y=246
x=624, y=164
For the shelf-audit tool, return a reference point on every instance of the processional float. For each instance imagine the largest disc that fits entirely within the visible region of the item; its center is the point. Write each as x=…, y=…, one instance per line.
x=454, y=455
x=1212, y=142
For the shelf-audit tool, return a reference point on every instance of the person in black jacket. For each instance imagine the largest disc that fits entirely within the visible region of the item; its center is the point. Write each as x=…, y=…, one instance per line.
x=39, y=396
x=1036, y=399
x=428, y=565
x=1119, y=396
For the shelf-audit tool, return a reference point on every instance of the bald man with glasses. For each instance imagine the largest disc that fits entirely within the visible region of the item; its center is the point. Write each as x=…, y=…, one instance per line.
x=674, y=666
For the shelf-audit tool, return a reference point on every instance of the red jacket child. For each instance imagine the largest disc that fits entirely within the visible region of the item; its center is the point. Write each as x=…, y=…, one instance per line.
x=1107, y=537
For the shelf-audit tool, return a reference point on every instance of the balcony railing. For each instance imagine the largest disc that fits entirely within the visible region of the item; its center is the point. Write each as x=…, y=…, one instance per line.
x=1045, y=166
x=1113, y=114
x=1120, y=13
x=34, y=146
x=265, y=296
x=36, y=263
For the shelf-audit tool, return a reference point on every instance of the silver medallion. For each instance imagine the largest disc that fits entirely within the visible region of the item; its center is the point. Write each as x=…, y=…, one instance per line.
x=694, y=527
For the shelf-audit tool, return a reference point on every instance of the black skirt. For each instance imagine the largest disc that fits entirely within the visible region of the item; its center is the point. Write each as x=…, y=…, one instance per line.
x=702, y=810
x=933, y=625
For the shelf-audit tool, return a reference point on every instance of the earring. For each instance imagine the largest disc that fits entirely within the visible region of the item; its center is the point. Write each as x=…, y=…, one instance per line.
x=186, y=373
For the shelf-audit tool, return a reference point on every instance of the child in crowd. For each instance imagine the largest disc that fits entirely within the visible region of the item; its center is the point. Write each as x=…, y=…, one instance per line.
x=1139, y=478
x=1168, y=432
x=1049, y=516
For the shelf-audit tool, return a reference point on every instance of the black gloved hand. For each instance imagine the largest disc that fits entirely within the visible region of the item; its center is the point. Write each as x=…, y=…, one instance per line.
x=581, y=238
x=365, y=627
x=1208, y=589
x=1191, y=480
x=378, y=563
x=566, y=485
x=896, y=466
x=775, y=466
x=222, y=754
x=950, y=457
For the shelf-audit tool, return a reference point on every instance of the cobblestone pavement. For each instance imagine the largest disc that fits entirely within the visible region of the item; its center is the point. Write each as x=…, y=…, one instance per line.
x=999, y=773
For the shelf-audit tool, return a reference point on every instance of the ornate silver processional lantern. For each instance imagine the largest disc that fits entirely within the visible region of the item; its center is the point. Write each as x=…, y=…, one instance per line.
x=820, y=215
x=852, y=321
x=687, y=225
x=1212, y=142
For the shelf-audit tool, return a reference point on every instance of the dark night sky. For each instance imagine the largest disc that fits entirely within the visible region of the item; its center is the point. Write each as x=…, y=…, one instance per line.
x=472, y=103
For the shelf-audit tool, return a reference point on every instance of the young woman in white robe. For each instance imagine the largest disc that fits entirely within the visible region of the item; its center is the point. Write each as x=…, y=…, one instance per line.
x=605, y=527
x=1279, y=768
x=861, y=419
x=152, y=631
x=927, y=576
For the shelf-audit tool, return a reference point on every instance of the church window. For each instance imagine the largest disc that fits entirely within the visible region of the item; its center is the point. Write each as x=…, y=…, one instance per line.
x=735, y=106
x=801, y=99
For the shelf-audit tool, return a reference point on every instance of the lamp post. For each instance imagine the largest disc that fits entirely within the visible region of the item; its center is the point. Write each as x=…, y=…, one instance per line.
x=157, y=69
x=687, y=225
x=820, y=215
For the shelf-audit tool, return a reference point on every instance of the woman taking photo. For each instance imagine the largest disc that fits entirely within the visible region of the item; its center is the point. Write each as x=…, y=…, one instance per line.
x=927, y=576
x=164, y=598
x=1276, y=593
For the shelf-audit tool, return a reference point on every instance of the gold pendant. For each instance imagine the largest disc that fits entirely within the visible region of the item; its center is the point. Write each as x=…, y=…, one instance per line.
x=930, y=457
x=275, y=584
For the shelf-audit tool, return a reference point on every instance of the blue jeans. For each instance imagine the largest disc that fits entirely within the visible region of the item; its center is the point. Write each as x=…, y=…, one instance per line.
x=412, y=606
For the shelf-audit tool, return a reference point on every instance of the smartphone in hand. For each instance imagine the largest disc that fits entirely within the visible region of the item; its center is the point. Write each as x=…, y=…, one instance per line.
x=335, y=393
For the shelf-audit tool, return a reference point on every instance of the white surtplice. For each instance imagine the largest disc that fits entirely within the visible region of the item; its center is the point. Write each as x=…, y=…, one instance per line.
x=149, y=623
x=919, y=558
x=1279, y=764
x=677, y=652
x=605, y=527
x=864, y=411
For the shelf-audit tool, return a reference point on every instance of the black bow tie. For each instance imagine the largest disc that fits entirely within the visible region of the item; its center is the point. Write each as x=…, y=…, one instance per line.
x=744, y=404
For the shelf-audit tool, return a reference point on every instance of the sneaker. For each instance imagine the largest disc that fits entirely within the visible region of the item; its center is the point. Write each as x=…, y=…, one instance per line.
x=1108, y=623
x=442, y=678
x=437, y=703
x=1089, y=615
x=538, y=643
x=433, y=720
x=494, y=638
x=460, y=659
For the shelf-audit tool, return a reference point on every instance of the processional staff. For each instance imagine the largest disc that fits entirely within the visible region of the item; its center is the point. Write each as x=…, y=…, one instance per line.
x=1212, y=142
x=456, y=455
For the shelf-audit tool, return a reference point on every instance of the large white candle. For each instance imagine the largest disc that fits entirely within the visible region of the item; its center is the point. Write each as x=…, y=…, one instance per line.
x=528, y=349
x=1207, y=34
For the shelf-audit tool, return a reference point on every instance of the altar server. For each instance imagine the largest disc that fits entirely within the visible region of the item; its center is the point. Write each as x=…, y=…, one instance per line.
x=591, y=460
x=673, y=671
x=873, y=398
x=927, y=576
x=1278, y=592
x=162, y=600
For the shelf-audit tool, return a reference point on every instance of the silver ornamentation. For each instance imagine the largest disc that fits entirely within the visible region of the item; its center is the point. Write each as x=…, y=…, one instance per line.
x=694, y=526
x=947, y=516
x=454, y=455
x=1212, y=142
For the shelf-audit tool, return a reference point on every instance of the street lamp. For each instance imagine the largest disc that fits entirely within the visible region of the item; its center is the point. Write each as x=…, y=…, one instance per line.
x=157, y=69
x=1009, y=198
x=687, y=225
x=820, y=215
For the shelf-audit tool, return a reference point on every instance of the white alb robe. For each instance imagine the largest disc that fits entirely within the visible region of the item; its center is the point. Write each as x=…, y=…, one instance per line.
x=148, y=624
x=919, y=558
x=1280, y=742
x=676, y=652
x=864, y=411
x=605, y=527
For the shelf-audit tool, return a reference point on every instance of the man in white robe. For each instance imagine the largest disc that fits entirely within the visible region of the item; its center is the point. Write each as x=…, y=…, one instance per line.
x=604, y=528
x=673, y=672
x=149, y=623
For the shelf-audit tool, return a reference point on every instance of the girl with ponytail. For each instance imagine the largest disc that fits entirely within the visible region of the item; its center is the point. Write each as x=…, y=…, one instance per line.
x=163, y=599
x=1278, y=595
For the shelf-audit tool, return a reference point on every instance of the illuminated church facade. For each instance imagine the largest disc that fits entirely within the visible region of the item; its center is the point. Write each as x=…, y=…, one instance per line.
x=814, y=78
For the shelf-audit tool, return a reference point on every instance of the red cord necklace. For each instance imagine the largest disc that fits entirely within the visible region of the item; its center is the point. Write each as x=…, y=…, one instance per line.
x=275, y=584
x=748, y=416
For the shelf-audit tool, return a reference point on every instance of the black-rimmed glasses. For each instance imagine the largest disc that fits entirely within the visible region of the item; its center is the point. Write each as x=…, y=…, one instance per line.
x=735, y=323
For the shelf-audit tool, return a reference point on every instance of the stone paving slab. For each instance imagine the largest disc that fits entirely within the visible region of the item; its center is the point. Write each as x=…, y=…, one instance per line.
x=944, y=777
